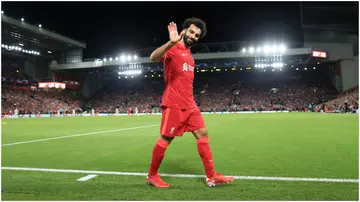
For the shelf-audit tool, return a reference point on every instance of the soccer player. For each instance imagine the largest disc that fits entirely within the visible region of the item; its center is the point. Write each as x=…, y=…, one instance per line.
x=179, y=111
x=136, y=111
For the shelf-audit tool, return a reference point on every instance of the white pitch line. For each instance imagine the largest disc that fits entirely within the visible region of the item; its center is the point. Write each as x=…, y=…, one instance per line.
x=77, y=135
x=183, y=175
x=87, y=177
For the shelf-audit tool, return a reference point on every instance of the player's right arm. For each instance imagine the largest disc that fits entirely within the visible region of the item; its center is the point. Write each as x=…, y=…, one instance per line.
x=159, y=53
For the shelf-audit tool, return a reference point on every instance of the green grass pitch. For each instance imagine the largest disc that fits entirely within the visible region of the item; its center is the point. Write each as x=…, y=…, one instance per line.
x=302, y=145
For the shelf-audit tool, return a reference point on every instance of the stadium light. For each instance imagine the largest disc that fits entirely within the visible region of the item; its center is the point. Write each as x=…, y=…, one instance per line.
x=266, y=49
x=104, y=59
x=110, y=59
x=117, y=58
x=135, y=57
x=274, y=65
x=282, y=48
x=2, y=12
x=277, y=65
x=244, y=50
x=40, y=25
x=130, y=72
x=314, y=67
x=22, y=19
x=251, y=49
x=258, y=50
x=129, y=58
x=20, y=49
x=274, y=49
x=122, y=58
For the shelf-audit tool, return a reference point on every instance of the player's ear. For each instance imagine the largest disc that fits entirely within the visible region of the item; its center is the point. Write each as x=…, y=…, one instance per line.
x=182, y=32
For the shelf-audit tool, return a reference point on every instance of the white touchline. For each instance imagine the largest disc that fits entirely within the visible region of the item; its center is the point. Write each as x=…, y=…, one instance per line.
x=77, y=135
x=87, y=177
x=182, y=175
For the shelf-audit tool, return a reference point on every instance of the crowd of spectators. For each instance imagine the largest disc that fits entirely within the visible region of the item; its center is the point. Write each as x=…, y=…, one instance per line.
x=34, y=101
x=347, y=101
x=211, y=93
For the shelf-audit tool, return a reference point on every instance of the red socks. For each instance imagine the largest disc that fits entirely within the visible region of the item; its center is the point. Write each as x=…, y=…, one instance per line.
x=206, y=155
x=157, y=156
x=203, y=149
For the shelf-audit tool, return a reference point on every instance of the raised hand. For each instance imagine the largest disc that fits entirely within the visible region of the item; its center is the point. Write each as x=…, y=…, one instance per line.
x=173, y=33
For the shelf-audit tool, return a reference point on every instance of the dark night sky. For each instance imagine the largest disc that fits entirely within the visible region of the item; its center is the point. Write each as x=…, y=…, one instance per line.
x=109, y=28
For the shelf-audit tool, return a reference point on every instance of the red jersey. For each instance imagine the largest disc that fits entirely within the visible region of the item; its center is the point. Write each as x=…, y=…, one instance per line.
x=179, y=68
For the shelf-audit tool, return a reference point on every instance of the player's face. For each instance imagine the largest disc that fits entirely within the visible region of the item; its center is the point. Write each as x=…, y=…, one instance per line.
x=191, y=35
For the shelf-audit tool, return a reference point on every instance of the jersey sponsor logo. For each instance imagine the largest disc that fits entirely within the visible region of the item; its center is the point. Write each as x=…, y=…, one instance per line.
x=187, y=67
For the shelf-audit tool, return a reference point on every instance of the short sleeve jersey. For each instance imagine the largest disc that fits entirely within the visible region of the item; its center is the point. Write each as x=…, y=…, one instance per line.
x=179, y=68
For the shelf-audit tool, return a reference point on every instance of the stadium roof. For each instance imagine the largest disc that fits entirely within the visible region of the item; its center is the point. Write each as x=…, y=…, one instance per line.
x=19, y=33
x=340, y=16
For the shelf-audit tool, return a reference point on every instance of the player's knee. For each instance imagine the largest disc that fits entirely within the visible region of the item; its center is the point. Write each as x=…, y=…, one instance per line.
x=200, y=133
x=167, y=139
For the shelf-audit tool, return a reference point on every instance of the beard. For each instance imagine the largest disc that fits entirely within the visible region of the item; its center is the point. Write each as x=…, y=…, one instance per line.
x=188, y=41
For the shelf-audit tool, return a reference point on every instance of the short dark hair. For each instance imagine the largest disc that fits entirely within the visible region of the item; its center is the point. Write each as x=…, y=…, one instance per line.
x=198, y=23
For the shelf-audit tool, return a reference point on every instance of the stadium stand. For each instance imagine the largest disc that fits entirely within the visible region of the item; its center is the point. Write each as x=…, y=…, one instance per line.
x=238, y=83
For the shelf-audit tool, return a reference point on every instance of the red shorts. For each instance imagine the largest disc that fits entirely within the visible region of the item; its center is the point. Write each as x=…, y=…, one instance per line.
x=175, y=122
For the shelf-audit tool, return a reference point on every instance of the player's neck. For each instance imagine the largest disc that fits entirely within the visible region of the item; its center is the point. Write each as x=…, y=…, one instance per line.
x=183, y=44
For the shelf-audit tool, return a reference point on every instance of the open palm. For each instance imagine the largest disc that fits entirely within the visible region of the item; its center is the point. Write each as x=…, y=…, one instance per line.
x=173, y=33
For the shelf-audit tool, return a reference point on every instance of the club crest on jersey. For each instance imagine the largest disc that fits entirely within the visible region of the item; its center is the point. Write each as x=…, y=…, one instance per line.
x=187, y=67
x=172, y=130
